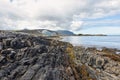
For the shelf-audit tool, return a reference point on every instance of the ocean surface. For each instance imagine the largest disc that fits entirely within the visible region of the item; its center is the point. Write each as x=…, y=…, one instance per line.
x=94, y=41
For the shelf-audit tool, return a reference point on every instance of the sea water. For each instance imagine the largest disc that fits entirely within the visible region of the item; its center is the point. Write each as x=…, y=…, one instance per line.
x=94, y=41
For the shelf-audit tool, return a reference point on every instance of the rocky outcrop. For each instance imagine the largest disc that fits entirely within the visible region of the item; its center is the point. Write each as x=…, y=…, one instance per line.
x=24, y=57
x=100, y=65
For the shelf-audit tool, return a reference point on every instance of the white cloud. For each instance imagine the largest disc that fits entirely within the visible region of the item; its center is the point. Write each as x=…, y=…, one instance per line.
x=76, y=25
x=54, y=14
x=45, y=8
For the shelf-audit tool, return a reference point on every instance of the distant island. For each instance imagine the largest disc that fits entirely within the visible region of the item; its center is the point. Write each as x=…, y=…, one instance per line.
x=91, y=35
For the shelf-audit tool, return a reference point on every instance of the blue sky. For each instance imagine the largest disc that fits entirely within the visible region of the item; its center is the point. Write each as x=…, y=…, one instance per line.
x=79, y=16
x=105, y=25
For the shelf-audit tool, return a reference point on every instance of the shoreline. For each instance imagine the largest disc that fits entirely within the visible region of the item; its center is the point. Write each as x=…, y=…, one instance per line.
x=97, y=48
x=99, y=64
x=112, y=50
x=93, y=42
x=28, y=57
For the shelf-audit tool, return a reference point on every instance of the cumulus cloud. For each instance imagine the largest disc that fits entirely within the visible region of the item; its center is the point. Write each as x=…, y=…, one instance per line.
x=76, y=25
x=55, y=14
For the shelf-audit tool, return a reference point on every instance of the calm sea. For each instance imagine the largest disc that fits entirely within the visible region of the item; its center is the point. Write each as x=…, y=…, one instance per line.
x=94, y=41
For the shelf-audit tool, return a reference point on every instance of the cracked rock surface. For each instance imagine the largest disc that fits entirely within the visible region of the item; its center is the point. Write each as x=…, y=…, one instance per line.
x=28, y=57
x=100, y=65
x=25, y=57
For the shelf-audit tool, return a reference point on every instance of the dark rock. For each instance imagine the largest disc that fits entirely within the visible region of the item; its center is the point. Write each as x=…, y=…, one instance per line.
x=12, y=55
x=1, y=46
x=25, y=57
x=8, y=53
x=16, y=43
x=3, y=60
x=6, y=43
x=27, y=44
x=100, y=62
x=5, y=52
x=97, y=65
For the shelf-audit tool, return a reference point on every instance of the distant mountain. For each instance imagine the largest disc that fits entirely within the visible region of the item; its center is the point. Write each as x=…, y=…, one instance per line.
x=40, y=32
x=45, y=32
x=65, y=33
x=49, y=33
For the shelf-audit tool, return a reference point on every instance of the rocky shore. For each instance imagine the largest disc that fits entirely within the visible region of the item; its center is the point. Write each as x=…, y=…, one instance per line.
x=101, y=64
x=26, y=57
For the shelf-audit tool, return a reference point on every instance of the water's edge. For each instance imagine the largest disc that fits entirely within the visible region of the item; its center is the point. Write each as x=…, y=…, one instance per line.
x=93, y=41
